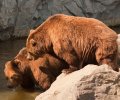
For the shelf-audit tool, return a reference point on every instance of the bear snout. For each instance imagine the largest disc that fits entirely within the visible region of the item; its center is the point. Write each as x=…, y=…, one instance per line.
x=10, y=85
x=14, y=81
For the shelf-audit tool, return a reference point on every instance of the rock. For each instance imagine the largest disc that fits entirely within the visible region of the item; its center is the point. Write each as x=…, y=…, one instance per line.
x=90, y=83
x=17, y=17
x=118, y=41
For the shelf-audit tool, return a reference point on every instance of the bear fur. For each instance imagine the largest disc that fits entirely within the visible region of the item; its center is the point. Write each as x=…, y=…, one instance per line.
x=77, y=40
x=41, y=72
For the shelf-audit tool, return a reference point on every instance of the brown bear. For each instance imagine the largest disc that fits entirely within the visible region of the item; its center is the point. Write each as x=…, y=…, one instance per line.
x=41, y=72
x=77, y=40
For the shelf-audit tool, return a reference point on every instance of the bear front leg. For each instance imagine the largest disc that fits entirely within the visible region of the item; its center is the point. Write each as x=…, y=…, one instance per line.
x=64, y=50
x=107, y=54
x=73, y=62
x=45, y=77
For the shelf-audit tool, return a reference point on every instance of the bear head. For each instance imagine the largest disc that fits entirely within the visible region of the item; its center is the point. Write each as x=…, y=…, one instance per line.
x=38, y=43
x=17, y=71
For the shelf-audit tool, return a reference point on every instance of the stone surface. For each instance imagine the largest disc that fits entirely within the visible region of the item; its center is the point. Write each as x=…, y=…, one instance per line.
x=17, y=17
x=118, y=41
x=90, y=83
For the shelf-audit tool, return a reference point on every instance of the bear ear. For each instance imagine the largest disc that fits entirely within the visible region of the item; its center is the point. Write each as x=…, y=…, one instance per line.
x=33, y=42
x=15, y=63
x=23, y=51
x=32, y=30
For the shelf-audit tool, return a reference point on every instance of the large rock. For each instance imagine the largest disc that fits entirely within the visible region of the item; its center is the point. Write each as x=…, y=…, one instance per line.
x=90, y=83
x=17, y=17
x=118, y=41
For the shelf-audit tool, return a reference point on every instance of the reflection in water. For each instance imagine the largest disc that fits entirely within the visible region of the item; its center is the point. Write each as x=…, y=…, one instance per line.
x=8, y=50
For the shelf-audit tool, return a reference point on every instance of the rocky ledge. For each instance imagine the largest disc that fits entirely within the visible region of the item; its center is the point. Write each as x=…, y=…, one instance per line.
x=17, y=17
x=90, y=83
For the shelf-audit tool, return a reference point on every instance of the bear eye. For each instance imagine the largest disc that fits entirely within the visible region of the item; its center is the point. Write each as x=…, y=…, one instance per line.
x=34, y=44
x=14, y=77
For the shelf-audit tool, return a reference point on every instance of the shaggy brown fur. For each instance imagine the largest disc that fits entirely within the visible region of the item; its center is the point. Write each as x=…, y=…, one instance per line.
x=41, y=72
x=77, y=40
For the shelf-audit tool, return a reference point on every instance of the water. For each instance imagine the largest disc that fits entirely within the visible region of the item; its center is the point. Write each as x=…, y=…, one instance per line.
x=8, y=50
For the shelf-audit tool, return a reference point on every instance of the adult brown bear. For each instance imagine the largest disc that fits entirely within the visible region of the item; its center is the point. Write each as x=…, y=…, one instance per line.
x=41, y=72
x=77, y=40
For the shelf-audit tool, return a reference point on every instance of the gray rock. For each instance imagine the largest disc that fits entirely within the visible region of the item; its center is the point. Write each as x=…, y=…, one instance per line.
x=118, y=41
x=90, y=83
x=19, y=16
